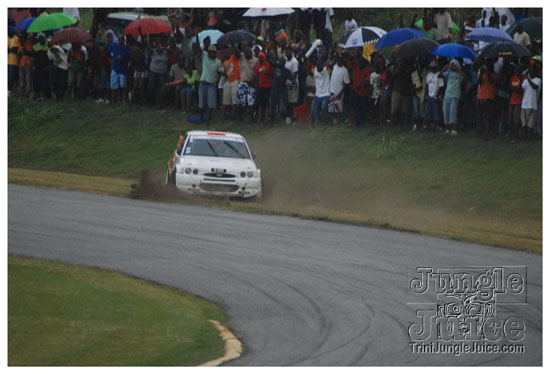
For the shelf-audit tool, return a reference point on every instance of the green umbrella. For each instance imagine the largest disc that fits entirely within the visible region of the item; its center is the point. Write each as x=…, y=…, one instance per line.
x=51, y=22
x=420, y=23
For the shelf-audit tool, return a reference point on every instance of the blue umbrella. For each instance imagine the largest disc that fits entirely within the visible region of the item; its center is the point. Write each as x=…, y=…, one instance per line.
x=489, y=35
x=453, y=50
x=398, y=36
x=213, y=34
x=24, y=23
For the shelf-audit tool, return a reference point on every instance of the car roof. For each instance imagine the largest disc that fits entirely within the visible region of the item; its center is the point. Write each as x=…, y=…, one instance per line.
x=214, y=133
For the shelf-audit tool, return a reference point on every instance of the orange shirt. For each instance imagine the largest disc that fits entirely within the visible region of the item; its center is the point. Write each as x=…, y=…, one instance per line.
x=516, y=97
x=25, y=60
x=486, y=90
x=232, y=69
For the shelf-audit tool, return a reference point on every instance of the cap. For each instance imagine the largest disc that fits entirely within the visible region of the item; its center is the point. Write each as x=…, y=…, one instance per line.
x=433, y=64
x=212, y=47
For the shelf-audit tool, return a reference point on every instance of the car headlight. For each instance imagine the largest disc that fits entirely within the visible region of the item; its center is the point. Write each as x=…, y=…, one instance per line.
x=195, y=171
x=250, y=174
x=243, y=174
x=188, y=171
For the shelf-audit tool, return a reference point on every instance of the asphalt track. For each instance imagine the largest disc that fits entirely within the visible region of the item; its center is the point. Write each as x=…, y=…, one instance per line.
x=297, y=292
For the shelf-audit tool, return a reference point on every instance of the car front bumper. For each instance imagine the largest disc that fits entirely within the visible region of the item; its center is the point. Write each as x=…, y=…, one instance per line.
x=234, y=187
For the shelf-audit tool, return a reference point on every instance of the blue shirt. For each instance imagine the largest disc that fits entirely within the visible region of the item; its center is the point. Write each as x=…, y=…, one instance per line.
x=454, y=80
x=119, y=67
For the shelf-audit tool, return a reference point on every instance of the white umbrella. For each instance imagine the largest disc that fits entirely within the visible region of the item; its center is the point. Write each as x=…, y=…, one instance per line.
x=267, y=12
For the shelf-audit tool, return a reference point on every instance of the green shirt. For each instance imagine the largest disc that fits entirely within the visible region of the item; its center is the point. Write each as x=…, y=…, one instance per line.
x=432, y=33
x=191, y=78
x=210, y=68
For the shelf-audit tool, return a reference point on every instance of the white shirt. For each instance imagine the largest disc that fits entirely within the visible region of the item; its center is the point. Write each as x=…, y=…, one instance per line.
x=350, y=25
x=72, y=12
x=329, y=13
x=338, y=79
x=530, y=94
x=322, y=82
x=292, y=65
x=434, y=84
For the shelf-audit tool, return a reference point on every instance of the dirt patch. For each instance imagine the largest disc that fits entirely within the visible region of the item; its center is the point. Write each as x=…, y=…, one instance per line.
x=151, y=188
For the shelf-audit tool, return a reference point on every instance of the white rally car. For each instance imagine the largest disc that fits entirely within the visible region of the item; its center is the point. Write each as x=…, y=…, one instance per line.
x=214, y=163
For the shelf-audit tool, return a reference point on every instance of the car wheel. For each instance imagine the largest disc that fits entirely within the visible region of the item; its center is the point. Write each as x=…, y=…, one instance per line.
x=169, y=179
x=260, y=196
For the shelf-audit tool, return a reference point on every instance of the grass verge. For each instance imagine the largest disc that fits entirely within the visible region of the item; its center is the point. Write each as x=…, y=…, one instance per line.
x=76, y=316
x=461, y=187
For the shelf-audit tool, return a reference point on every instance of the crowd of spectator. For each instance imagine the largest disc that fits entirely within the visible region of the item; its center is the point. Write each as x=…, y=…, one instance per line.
x=292, y=71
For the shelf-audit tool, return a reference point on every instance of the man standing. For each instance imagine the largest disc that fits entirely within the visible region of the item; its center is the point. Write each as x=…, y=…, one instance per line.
x=232, y=72
x=319, y=105
x=453, y=74
x=531, y=86
x=444, y=25
x=246, y=93
x=41, y=65
x=521, y=37
x=339, y=79
x=211, y=70
x=119, y=69
x=13, y=58
x=25, y=50
x=292, y=65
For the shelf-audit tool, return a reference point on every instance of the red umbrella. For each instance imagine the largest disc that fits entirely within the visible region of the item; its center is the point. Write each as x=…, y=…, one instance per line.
x=71, y=35
x=148, y=26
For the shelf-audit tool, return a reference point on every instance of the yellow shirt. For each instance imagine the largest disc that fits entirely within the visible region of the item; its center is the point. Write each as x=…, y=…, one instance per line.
x=13, y=58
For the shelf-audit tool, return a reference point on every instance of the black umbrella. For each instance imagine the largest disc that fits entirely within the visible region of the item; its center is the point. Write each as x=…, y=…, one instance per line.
x=237, y=36
x=502, y=49
x=532, y=26
x=416, y=47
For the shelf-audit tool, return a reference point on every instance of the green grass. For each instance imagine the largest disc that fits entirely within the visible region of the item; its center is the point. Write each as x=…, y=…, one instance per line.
x=455, y=187
x=66, y=315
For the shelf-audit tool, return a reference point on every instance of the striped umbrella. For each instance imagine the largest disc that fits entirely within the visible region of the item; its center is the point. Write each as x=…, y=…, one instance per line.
x=71, y=35
x=148, y=26
x=361, y=36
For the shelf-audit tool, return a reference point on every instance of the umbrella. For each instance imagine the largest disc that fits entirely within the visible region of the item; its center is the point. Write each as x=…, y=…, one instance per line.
x=71, y=35
x=454, y=27
x=532, y=26
x=501, y=49
x=488, y=34
x=453, y=50
x=51, y=22
x=416, y=47
x=214, y=35
x=267, y=12
x=238, y=36
x=398, y=36
x=361, y=36
x=24, y=23
x=148, y=26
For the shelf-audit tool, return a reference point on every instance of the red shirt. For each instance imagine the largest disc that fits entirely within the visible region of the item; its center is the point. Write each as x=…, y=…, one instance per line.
x=486, y=90
x=264, y=79
x=516, y=97
x=361, y=76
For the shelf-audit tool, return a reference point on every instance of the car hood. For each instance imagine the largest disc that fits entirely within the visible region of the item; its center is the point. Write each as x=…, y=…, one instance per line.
x=208, y=163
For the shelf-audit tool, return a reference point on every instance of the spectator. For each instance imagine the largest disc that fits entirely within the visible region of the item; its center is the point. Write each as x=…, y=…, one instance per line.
x=417, y=95
x=339, y=79
x=176, y=77
x=319, y=106
x=486, y=79
x=264, y=82
x=41, y=65
x=119, y=68
x=428, y=29
x=361, y=89
x=504, y=26
x=442, y=20
x=13, y=58
x=278, y=97
x=453, y=75
x=25, y=51
x=531, y=87
x=291, y=63
x=434, y=84
x=160, y=52
x=185, y=39
x=521, y=37
x=19, y=14
x=350, y=24
x=246, y=92
x=61, y=71
x=141, y=73
x=327, y=34
x=516, y=98
x=188, y=89
x=232, y=72
x=211, y=70
x=386, y=82
x=76, y=60
x=401, y=93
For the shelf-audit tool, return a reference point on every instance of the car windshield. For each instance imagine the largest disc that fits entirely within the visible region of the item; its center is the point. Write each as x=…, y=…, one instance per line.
x=211, y=147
